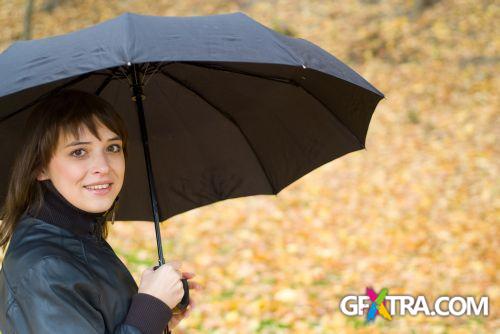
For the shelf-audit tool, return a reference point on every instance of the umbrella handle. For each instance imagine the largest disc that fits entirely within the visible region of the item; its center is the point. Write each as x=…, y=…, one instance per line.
x=183, y=304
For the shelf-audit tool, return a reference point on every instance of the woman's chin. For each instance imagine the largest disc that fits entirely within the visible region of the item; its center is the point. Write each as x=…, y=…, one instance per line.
x=98, y=209
x=99, y=202
x=96, y=205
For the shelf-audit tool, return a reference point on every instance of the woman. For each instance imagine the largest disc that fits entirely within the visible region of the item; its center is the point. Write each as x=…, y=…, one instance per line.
x=59, y=275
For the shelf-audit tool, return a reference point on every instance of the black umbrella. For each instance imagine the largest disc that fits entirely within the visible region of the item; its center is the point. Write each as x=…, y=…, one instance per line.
x=222, y=106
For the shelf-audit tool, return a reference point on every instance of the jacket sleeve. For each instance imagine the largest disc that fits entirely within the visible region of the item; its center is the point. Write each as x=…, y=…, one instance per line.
x=56, y=296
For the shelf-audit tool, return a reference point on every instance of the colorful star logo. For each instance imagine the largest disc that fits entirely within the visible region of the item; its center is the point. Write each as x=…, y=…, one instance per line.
x=378, y=304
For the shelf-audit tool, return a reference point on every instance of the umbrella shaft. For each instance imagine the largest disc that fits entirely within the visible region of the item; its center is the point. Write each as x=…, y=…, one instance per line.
x=138, y=96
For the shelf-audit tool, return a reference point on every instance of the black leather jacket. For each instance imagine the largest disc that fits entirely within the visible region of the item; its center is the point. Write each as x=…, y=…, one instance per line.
x=53, y=281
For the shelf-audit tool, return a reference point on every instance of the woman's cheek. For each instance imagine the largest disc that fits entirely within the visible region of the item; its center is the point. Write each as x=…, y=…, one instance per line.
x=72, y=171
x=119, y=167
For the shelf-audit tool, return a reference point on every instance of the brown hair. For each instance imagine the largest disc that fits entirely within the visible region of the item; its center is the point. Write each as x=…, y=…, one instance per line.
x=64, y=112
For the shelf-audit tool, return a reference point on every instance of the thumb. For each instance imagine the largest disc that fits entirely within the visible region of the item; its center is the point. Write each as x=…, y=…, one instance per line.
x=147, y=271
x=176, y=264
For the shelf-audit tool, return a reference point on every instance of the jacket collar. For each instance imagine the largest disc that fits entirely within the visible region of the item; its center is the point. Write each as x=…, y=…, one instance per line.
x=58, y=211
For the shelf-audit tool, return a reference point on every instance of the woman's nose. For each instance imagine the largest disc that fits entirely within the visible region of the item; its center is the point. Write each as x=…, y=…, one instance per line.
x=101, y=164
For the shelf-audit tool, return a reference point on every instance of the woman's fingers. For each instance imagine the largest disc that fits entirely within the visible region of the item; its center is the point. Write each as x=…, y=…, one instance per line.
x=191, y=284
x=191, y=303
x=194, y=285
x=191, y=306
x=188, y=275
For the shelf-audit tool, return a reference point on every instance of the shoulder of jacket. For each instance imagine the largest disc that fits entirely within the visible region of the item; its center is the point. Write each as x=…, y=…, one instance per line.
x=50, y=279
x=50, y=269
x=59, y=268
x=34, y=242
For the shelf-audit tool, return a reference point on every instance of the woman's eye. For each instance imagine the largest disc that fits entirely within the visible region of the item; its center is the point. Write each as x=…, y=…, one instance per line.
x=115, y=148
x=76, y=153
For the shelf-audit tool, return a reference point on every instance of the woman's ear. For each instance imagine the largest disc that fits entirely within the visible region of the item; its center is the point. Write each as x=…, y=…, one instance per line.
x=42, y=176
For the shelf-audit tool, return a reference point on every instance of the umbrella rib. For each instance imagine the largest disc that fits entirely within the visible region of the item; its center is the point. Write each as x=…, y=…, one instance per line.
x=103, y=85
x=333, y=114
x=228, y=117
x=157, y=67
x=26, y=106
x=145, y=71
x=284, y=80
x=224, y=69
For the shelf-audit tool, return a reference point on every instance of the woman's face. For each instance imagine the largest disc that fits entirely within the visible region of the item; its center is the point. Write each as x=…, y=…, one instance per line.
x=87, y=171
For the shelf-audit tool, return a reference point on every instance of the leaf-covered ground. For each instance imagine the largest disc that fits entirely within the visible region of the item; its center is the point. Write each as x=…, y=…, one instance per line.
x=416, y=212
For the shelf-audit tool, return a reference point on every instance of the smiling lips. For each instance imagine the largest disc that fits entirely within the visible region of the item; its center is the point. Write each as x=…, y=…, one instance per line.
x=99, y=186
x=99, y=189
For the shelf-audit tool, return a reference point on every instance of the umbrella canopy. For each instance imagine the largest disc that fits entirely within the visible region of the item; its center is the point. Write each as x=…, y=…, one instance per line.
x=231, y=107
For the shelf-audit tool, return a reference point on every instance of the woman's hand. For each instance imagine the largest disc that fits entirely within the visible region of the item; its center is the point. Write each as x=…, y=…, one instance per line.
x=177, y=318
x=163, y=283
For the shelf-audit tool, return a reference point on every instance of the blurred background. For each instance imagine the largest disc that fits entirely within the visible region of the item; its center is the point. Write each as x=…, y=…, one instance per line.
x=416, y=212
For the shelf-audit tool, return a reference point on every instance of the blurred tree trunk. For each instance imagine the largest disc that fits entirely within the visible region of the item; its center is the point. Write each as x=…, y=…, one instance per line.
x=420, y=5
x=50, y=5
x=28, y=13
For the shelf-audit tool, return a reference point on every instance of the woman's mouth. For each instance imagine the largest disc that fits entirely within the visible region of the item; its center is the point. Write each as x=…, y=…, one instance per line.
x=99, y=189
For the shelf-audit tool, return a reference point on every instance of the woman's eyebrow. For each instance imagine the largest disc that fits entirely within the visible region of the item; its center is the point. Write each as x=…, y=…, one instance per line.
x=88, y=142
